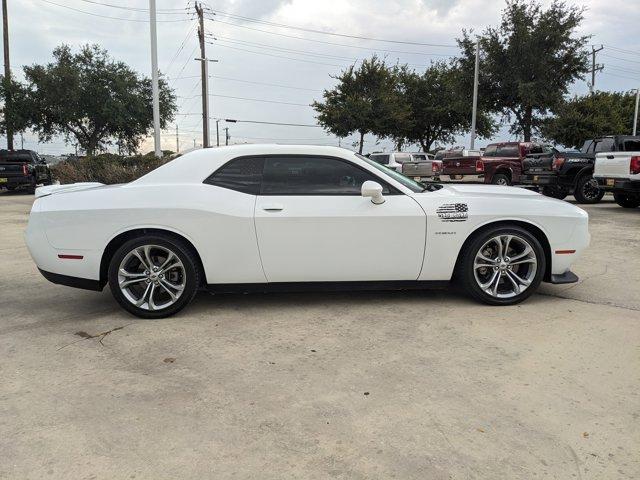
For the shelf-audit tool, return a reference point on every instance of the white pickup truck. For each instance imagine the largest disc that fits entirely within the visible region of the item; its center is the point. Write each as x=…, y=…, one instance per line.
x=619, y=173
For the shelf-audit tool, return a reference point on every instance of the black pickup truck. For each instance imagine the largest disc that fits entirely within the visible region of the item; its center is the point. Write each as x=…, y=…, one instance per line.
x=559, y=174
x=23, y=168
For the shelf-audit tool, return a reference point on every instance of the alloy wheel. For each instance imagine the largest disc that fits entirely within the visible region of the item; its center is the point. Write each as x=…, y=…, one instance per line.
x=151, y=277
x=590, y=189
x=505, y=266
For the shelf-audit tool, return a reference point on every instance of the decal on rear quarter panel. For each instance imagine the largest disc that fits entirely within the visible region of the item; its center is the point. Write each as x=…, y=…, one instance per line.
x=453, y=212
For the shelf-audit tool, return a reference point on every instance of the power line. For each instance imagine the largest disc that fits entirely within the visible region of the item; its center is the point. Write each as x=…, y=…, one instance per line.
x=622, y=50
x=265, y=83
x=311, y=30
x=254, y=100
x=165, y=11
x=278, y=56
x=109, y=17
x=621, y=76
x=182, y=45
x=622, y=59
x=270, y=123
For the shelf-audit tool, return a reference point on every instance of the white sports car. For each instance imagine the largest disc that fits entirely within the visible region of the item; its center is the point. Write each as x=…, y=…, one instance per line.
x=273, y=217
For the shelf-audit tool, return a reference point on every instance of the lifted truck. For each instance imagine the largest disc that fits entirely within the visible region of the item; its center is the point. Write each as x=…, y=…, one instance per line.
x=500, y=164
x=23, y=168
x=619, y=173
x=559, y=174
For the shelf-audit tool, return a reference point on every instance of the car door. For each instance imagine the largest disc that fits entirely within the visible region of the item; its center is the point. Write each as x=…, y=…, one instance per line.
x=313, y=224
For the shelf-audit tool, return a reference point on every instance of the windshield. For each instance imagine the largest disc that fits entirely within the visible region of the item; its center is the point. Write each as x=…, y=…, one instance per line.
x=397, y=176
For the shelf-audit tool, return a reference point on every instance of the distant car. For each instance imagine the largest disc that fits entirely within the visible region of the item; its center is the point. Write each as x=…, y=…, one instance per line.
x=23, y=168
x=392, y=159
x=278, y=217
x=559, y=174
x=422, y=167
x=499, y=164
x=619, y=173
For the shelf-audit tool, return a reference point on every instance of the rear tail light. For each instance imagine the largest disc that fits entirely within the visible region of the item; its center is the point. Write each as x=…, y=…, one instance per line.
x=479, y=166
x=634, y=166
x=436, y=166
x=25, y=170
x=557, y=163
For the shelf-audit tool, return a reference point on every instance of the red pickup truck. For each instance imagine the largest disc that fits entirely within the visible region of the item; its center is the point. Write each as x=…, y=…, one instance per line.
x=500, y=164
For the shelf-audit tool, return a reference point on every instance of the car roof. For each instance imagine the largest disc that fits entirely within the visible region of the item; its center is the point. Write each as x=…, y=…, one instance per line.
x=197, y=165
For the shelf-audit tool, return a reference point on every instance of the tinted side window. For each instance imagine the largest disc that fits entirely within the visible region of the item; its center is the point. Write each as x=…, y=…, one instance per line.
x=313, y=176
x=241, y=174
x=604, y=145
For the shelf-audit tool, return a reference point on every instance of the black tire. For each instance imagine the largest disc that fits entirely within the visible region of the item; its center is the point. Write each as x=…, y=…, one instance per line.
x=501, y=179
x=627, y=201
x=31, y=188
x=192, y=275
x=587, y=191
x=466, y=277
x=555, y=192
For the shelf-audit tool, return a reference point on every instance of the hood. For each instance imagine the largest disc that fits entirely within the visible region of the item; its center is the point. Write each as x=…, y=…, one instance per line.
x=480, y=190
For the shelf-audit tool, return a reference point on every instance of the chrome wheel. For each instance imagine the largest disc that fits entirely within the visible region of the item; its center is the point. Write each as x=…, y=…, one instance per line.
x=505, y=266
x=151, y=277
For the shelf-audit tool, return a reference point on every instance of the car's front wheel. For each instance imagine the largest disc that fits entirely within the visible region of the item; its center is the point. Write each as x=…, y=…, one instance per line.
x=154, y=276
x=502, y=265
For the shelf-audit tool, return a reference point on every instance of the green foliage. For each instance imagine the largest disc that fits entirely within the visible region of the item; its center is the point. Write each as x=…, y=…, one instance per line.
x=590, y=116
x=89, y=97
x=439, y=106
x=365, y=100
x=106, y=168
x=528, y=62
x=14, y=93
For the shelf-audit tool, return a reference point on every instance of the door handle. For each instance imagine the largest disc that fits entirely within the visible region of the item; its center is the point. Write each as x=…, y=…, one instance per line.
x=610, y=157
x=272, y=208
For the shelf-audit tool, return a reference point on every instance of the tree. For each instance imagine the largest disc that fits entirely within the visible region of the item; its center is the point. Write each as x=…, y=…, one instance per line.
x=528, y=62
x=92, y=98
x=17, y=118
x=365, y=100
x=590, y=116
x=439, y=106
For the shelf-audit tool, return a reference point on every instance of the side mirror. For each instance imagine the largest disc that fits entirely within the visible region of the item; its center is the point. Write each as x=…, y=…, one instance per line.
x=374, y=190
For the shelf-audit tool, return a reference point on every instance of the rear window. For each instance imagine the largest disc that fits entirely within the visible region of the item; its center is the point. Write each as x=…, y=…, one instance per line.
x=631, y=146
x=15, y=157
x=508, y=151
x=402, y=157
x=382, y=159
x=419, y=157
x=604, y=145
x=491, y=151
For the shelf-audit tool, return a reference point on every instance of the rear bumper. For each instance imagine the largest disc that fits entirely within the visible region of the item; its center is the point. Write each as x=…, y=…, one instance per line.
x=540, y=180
x=76, y=282
x=6, y=181
x=566, y=277
x=619, y=185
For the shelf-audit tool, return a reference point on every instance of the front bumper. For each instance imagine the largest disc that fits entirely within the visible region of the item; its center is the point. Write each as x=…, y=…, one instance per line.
x=566, y=277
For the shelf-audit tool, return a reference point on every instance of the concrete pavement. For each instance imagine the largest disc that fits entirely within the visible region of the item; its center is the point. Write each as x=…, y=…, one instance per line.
x=407, y=385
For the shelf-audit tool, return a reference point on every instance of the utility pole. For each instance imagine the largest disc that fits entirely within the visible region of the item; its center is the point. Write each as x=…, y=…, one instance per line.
x=217, y=132
x=227, y=137
x=475, y=96
x=177, y=140
x=7, y=74
x=154, y=78
x=204, y=73
x=594, y=67
x=635, y=114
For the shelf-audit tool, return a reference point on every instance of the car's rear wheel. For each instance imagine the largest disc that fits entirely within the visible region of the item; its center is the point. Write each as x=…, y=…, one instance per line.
x=587, y=191
x=626, y=201
x=501, y=179
x=154, y=276
x=502, y=265
x=555, y=192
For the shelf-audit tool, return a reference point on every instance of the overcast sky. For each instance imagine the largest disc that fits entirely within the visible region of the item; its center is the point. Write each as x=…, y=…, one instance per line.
x=297, y=63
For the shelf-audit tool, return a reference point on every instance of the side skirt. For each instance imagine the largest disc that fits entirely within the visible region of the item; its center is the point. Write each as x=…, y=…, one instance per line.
x=76, y=282
x=325, y=286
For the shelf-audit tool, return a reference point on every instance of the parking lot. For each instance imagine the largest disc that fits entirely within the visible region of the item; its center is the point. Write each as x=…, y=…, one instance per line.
x=406, y=385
